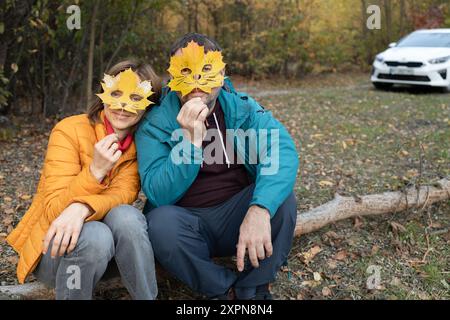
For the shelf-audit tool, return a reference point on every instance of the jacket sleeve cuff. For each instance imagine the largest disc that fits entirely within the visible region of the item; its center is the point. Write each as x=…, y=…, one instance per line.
x=190, y=154
x=270, y=206
x=99, y=212
x=88, y=184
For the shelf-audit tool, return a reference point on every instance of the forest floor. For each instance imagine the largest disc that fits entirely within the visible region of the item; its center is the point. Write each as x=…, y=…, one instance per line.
x=353, y=140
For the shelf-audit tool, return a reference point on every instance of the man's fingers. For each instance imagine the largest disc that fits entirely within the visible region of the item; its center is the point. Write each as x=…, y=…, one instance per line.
x=269, y=248
x=56, y=242
x=253, y=256
x=195, y=109
x=184, y=110
x=48, y=237
x=260, y=252
x=203, y=114
x=193, y=101
x=202, y=111
x=189, y=106
x=240, y=255
x=64, y=243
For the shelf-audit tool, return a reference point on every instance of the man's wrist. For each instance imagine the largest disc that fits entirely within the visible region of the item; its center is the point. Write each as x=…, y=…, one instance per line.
x=259, y=209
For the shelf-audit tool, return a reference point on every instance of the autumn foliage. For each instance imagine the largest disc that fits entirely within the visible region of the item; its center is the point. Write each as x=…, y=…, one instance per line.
x=45, y=68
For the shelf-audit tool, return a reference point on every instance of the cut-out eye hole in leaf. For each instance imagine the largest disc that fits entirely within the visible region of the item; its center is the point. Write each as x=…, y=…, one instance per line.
x=135, y=97
x=126, y=91
x=186, y=71
x=207, y=68
x=194, y=68
x=116, y=94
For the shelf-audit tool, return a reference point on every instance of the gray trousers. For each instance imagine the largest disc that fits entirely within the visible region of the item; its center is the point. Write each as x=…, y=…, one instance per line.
x=121, y=235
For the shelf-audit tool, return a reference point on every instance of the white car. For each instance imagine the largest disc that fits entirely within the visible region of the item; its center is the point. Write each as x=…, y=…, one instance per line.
x=421, y=58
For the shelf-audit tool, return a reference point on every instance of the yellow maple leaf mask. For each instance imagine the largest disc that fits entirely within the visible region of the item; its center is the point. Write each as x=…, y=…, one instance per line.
x=195, y=69
x=126, y=91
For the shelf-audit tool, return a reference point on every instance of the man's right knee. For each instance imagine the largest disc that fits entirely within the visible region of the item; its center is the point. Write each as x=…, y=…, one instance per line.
x=164, y=225
x=162, y=217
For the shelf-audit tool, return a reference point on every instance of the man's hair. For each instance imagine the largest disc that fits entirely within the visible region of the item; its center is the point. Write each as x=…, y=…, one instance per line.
x=201, y=39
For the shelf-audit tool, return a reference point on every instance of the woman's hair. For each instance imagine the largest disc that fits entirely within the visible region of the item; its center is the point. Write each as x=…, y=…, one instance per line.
x=144, y=71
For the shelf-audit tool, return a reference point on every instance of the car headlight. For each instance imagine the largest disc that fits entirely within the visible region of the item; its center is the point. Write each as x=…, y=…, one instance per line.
x=439, y=60
x=379, y=59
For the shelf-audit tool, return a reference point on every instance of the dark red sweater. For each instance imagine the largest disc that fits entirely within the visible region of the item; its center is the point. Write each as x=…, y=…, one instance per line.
x=215, y=183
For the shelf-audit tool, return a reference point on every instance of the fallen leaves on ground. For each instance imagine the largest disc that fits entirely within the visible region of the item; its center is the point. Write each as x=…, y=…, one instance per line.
x=308, y=256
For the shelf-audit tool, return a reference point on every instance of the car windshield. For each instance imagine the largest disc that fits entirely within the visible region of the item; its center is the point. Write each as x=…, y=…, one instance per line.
x=435, y=39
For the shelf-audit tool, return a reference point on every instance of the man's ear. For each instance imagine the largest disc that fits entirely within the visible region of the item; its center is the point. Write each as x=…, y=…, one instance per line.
x=222, y=72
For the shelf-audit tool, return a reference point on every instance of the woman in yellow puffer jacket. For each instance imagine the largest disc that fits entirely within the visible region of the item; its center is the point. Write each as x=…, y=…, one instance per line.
x=81, y=218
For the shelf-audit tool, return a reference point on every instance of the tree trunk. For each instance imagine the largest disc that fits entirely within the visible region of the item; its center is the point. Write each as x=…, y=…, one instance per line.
x=402, y=17
x=91, y=52
x=129, y=23
x=388, y=18
x=389, y=202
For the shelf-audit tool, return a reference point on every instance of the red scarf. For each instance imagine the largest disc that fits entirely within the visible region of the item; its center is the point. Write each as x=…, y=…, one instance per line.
x=125, y=143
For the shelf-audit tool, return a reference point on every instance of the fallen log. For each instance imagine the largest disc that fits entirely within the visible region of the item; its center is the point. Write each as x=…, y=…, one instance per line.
x=339, y=208
x=31, y=290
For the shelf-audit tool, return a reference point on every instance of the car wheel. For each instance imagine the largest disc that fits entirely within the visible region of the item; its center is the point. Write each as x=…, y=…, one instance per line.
x=445, y=89
x=382, y=85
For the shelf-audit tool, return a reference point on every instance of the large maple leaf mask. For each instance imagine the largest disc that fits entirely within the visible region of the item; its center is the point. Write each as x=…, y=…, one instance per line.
x=194, y=68
x=126, y=92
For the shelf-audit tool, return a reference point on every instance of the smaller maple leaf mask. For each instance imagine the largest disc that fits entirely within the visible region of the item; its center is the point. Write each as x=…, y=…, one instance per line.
x=126, y=91
x=195, y=69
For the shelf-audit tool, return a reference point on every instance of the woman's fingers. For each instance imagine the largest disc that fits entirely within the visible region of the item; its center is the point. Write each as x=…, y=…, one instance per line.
x=74, y=240
x=107, y=141
x=116, y=156
x=113, y=148
x=64, y=243
x=48, y=237
x=57, y=242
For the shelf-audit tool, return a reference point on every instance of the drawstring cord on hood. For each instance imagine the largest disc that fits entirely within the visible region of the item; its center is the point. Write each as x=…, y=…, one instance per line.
x=221, y=141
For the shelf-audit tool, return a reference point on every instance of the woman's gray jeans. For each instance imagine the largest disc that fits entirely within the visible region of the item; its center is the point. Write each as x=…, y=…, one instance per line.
x=121, y=235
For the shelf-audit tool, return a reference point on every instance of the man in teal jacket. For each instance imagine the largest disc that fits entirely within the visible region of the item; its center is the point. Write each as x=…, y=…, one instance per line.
x=218, y=171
